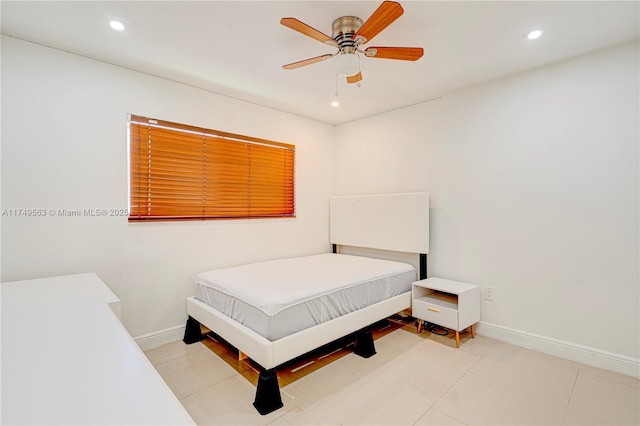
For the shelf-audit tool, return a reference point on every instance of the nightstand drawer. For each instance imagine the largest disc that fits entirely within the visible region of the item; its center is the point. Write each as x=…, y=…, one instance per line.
x=436, y=313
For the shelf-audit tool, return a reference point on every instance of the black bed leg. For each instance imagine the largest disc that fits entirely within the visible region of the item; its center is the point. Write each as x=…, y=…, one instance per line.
x=192, y=333
x=423, y=266
x=267, y=392
x=364, y=343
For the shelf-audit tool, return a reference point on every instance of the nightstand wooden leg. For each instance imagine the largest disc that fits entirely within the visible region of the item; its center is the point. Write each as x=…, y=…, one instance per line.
x=419, y=326
x=457, y=339
x=473, y=332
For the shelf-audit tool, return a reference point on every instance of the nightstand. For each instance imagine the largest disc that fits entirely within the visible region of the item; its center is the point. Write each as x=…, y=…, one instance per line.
x=451, y=304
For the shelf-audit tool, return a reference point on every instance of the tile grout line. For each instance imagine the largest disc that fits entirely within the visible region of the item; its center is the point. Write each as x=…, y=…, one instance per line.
x=171, y=383
x=170, y=357
x=523, y=391
x=448, y=390
x=573, y=388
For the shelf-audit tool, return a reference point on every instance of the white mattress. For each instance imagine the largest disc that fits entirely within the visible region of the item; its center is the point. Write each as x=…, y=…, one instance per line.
x=281, y=297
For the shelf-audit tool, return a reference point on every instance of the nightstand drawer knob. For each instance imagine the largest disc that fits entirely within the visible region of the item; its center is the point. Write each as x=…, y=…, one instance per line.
x=433, y=309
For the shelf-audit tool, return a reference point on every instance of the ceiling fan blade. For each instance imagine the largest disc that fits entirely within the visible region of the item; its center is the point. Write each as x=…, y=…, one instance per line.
x=305, y=29
x=384, y=15
x=402, y=53
x=305, y=62
x=354, y=78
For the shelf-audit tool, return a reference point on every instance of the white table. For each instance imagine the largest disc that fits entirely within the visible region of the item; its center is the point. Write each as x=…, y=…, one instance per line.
x=67, y=359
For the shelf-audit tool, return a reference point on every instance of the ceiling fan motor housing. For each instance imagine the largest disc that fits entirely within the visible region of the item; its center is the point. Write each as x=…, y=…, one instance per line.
x=344, y=29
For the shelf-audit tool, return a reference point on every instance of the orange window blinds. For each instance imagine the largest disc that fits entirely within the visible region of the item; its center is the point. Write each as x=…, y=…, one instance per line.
x=180, y=172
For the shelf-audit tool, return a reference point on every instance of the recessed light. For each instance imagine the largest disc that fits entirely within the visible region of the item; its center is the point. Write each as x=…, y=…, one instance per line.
x=117, y=25
x=535, y=34
x=335, y=104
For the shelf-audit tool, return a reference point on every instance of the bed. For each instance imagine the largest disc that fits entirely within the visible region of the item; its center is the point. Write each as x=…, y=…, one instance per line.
x=278, y=310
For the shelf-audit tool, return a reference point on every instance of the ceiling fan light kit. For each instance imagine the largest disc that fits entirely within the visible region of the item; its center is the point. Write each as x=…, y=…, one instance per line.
x=348, y=34
x=347, y=64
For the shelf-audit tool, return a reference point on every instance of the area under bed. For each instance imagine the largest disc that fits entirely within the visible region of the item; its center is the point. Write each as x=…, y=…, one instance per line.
x=281, y=297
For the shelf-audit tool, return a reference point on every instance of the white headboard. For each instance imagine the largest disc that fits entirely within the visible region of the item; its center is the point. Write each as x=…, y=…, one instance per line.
x=397, y=222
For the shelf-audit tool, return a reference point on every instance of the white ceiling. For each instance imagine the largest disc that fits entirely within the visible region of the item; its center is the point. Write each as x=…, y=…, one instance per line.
x=237, y=48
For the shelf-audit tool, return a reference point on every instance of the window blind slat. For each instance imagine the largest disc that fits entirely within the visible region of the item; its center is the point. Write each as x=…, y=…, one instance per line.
x=180, y=172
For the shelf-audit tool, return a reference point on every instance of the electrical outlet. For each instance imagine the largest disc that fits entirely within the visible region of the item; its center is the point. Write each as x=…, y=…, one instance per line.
x=488, y=294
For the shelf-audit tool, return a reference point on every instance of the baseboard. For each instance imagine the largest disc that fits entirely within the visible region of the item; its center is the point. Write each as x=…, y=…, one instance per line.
x=584, y=354
x=159, y=338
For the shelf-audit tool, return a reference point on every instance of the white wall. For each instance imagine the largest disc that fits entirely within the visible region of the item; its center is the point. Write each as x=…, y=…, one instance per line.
x=534, y=191
x=533, y=180
x=64, y=146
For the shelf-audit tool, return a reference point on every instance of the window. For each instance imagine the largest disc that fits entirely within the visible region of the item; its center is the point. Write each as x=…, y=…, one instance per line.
x=179, y=172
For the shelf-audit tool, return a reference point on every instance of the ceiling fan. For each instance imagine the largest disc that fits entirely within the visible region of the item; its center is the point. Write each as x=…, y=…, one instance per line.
x=349, y=33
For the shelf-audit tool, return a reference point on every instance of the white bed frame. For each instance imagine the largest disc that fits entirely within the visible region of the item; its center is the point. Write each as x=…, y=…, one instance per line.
x=397, y=222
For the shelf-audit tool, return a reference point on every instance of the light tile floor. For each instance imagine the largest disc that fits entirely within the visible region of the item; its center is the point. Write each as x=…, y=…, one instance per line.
x=413, y=379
